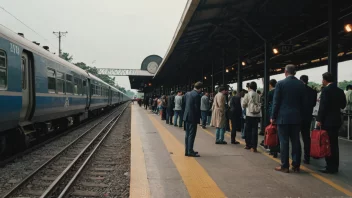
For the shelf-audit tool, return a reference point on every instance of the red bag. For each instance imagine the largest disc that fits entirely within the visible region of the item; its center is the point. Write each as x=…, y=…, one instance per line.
x=271, y=138
x=320, y=144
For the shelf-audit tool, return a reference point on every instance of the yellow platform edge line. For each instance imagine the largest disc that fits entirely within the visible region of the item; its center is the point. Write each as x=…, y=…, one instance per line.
x=311, y=172
x=139, y=185
x=195, y=177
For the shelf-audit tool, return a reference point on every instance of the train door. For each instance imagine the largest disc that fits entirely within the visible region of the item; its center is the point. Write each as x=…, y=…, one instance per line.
x=87, y=87
x=27, y=73
x=109, y=96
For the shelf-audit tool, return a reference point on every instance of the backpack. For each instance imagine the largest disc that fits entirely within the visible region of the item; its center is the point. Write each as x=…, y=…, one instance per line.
x=253, y=106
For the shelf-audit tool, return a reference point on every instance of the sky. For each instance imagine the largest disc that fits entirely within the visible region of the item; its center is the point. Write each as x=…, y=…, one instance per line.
x=107, y=33
x=111, y=33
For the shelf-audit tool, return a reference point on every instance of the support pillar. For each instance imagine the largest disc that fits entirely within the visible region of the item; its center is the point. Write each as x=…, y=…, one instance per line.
x=333, y=40
x=266, y=81
x=212, y=76
x=239, y=69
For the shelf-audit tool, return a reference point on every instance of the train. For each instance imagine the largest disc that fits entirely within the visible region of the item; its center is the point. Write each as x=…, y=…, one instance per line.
x=41, y=92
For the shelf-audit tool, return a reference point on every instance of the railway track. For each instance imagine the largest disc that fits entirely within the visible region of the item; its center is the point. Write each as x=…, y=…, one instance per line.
x=49, y=178
x=6, y=160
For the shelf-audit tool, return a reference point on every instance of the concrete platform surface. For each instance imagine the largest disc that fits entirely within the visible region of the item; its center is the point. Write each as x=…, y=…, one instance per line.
x=160, y=169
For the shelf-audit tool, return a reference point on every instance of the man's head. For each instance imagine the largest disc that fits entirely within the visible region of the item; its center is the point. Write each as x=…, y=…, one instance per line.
x=348, y=87
x=247, y=85
x=290, y=70
x=304, y=79
x=179, y=93
x=272, y=83
x=253, y=86
x=222, y=90
x=198, y=86
x=327, y=78
x=206, y=93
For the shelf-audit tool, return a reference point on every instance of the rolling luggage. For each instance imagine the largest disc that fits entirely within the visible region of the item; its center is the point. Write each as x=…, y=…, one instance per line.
x=271, y=138
x=320, y=144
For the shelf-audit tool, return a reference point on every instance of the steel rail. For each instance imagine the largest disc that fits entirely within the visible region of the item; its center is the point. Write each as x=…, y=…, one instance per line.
x=19, y=185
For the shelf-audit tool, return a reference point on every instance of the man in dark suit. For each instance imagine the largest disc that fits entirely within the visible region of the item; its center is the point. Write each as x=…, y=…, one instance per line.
x=332, y=100
x=170, y=108
x=286, y=113
x=191, y=117
x=310, y=99
x=235, y=116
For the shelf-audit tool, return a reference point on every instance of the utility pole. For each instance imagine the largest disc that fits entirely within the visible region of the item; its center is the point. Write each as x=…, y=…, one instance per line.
x=59, y=35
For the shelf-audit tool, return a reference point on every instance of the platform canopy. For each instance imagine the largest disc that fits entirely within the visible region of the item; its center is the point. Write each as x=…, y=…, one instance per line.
x=215, y=36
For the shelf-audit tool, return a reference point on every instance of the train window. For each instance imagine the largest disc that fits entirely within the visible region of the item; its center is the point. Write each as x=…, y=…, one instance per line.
x=69, y=85
x=24, y=75
x=84, y=86
x=76, y=85
x=51, y=80
x=3, y=70
x=60, y=83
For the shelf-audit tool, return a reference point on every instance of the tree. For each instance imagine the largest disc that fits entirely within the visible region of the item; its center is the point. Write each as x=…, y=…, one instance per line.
x=344, y=84
x=66, y=56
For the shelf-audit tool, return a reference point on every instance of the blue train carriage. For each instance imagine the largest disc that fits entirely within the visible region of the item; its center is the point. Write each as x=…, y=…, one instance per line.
x=99, y=95
x=38, y=90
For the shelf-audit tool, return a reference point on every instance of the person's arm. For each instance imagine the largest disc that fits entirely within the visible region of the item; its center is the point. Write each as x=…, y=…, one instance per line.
x=322, y=107
x=344, y=101
x=276, y=101
x=314, y=99
x=245, y=101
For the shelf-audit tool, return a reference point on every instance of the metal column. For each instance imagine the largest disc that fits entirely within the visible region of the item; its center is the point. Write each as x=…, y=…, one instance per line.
x=239, y=69
x=212, y=76
x=266, y=81
x=333, y=40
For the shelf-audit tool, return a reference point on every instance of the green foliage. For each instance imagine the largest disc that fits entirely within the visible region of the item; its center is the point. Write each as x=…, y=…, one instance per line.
x=66, y=56
x=92, y=70
x=344, y=84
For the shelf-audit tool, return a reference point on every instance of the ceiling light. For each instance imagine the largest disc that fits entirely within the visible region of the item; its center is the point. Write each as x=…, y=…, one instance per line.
x=243, y=63
x=205, y=77
x=227, y=70
x=276, y=51
x=348, y=28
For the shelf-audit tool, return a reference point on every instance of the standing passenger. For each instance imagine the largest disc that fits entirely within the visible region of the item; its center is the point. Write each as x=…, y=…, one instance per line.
x=286, y=113
x=204, y=107
x=192, y=117
x=235, y=116
x=252, y=104
x=218, y=117
x=170, y=108
x=178, y=109
x=332, y=101
x=310, y=99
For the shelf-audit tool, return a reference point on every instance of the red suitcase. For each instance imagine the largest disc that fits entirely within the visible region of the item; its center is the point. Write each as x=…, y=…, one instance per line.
x=320, y=144
x=271, y=138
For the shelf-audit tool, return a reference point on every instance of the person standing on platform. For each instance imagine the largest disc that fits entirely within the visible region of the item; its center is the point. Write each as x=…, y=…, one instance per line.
x=163, y=107
x=235, y=116
x=211, y=96
x=349, y=98
x=310, y=99
x=183, y=109
x=218, y=118
x=192, y=117
x=286, y=113
x=252, y=104
x=170, y=108
x=204, y=107
x=272, y=84
x=332, y=101
x=178, y=109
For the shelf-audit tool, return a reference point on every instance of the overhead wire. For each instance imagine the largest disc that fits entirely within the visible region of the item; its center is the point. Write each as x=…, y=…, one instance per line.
x=27, y=26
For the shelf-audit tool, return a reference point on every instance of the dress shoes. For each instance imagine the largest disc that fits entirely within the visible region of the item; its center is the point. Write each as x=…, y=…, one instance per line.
x=328, y=171
x=280, y=169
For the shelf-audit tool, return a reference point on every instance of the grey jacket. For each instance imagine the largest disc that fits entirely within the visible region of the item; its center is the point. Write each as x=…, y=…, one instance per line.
x=178, y=103
x=204, y=104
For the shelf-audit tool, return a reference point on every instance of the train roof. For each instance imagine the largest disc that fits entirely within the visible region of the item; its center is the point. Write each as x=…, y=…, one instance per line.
x=30, y=46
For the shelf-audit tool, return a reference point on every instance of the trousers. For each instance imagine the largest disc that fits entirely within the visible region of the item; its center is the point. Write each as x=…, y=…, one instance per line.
x=191, y=132
x=286, y=132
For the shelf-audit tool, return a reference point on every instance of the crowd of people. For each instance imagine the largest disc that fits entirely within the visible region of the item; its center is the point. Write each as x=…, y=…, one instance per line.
x=290, y=106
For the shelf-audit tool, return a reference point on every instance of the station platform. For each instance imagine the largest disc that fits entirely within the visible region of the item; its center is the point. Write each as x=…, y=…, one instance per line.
x=160, y=169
